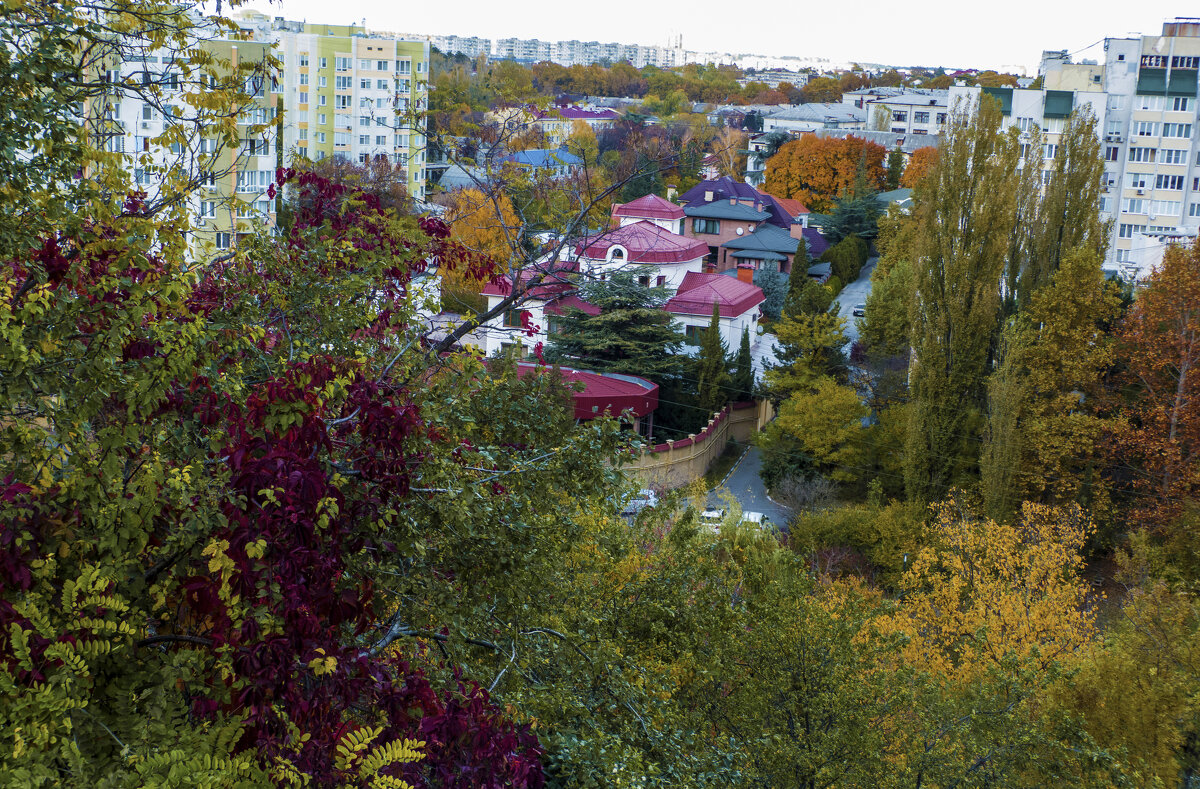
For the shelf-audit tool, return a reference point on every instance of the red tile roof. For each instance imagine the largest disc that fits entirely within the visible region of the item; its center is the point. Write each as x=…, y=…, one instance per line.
x=793, y=207
x=698, y=292
x=560, y=306
x=555, y=283
x=604, y=392
x=645, y=242
x=649, y=207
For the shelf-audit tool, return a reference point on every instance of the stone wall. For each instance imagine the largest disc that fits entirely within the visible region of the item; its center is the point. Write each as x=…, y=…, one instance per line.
x=676, y=463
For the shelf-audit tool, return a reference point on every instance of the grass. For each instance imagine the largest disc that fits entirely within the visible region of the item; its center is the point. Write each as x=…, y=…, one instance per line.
x=722, y=464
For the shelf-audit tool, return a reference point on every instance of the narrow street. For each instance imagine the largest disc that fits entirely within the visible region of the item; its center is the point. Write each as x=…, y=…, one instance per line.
x=855, y=292
x=746, y=486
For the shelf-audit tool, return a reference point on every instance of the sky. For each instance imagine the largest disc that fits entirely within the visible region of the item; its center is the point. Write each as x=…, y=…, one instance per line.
x=933, y=33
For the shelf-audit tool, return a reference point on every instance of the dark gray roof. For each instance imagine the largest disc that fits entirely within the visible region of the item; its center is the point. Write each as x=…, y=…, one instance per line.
x=767, y=238
x=895, y=196
x=759, y=254
x=726, y=210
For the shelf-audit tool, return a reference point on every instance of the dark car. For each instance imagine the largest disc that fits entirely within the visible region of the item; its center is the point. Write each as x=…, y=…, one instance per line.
x=859, y=310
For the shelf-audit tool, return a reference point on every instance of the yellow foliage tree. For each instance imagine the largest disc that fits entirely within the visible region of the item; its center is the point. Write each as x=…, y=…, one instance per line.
x=983, y=593
x=484, y=223
x=826, y=420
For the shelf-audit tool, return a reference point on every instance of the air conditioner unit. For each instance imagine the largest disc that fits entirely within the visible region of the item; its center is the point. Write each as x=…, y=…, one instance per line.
x=145, y=124
x=1141, y=191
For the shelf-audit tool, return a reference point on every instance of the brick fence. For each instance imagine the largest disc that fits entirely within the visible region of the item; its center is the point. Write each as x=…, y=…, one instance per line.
x=677, y=463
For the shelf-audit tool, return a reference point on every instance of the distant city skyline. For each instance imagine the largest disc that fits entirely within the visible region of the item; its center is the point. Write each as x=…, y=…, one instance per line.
x=935, y=33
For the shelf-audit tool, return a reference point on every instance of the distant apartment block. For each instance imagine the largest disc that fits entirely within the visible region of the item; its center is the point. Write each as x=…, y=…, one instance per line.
x=472, y=46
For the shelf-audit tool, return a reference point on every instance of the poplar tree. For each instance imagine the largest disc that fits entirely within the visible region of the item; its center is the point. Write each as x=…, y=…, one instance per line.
x=895, y=169
x=966, y=213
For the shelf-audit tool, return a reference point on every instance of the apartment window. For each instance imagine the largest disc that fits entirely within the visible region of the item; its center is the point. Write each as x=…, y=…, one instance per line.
x=1177, y=130
x=1127, y=231
x=322, y=119
x=1165, y=206
x=1181, y=104
x=1196, y=184
x=1174, y=157
x=304, y=134
x=381, y=84
x=383, y=65
x=303, y=58
x=1116, y=102
x=321, y=137
x=706, y=226
x=403, y=67
x=303, y=98
x=1133, y=205
x=1194, y=209
x=322, y=100
x=364, y=102
x=243, y=210
x=381, y=139
x=941, y=118
x=322, y=82
x=341, y=138
x=364, y=120
x=343, y=121
x=147, y=113
x=404, y=159
x=1111, y=153
x=208, y=209
x=302, y=153
x=920, y=117
x=343, y=83
x=693, y=335
x=362, y=158
x=1122, y=255
x=401, y=140
x=899, y=117
x=224, y=240
x=381, y=104
x=341, y=102
x=1049, y=150
x=1106, y=204
x=1154, y=61
x=1145, y=129
x=1137, y=180
x=364, y=84
x=1142, y=154
x=1025, y=124
x=404, y=86
x=1173, y=183
x=1185, y=61
x=320, y=155
x=420, y=68
x=344, y=64
x=1152, y=103
x=324, y=62
x=364, y=139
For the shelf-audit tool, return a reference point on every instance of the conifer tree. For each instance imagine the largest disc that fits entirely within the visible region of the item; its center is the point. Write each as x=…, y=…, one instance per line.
x=743, y=377
x=713, y=367
x=895, y=169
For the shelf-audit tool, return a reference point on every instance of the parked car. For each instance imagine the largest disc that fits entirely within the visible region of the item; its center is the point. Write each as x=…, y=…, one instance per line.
x=860, y=310
x=713, y=517
x=757, y=519
x=640, y=501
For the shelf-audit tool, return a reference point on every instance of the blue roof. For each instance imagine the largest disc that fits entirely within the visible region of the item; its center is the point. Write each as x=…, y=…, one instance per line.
x=725, y=210
x=767, y=238
x=545, y=157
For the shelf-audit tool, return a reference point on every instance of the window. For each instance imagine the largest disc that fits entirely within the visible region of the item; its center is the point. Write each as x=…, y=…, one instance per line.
x=920, y=117
x=224, y=240
x=322, y=82
x=304, y=134
x=324, y=62
x=1185, y=61
x=1137, y=180
x=322, y=119
x=1133, y=205
x=303, y=98
x=364, y=102
x=941, y=118
x=1049, y=150
x=383, y=65
x=341, y=101
x=1111, y=153
x=243, y=210
x=322, y=100
x=381, y=84
x=1127, y=231
x=644, y=280
x=1196, y=184
x=253, y=180
x=1153, y=103
x=320, y=155
x=1165, y=207
x=1122, y=255
x=899, y=117
x=1174, y=157
x=420, y=68
x=693, y=334
x=512, y=319
x=208, y=209
x=1142, y=154
x=262, y=206
x=706, y=226
x=364, y=84
x=1145, y=129
x=1181, y=104
x=343, y=121
x=1194, y=209
x=1173, y=183
x=321, y=137
x=364, y=120
x=343, y=83
x=1025, y=124
x=381, y=139
x=364, y=139
x=362, y=158
x=1177, y=130
x=344, y=64
x=401, y=140
x=341, y=138
x=303, y=58
x=403, y=67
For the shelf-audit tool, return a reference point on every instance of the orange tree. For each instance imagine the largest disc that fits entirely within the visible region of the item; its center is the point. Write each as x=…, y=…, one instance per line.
x=920, y=163
x=817, y=170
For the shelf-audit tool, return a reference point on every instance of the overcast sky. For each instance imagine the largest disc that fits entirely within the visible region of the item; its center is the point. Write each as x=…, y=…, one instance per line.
x=933, y=32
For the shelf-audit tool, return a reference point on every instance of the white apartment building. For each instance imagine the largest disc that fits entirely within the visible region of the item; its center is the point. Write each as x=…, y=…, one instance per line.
x=472, y=46
x=910, y=112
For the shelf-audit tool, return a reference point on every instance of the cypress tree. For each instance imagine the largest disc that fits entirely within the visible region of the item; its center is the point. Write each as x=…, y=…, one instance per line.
x=743, y=377
x=895, y=169
x=713, y=367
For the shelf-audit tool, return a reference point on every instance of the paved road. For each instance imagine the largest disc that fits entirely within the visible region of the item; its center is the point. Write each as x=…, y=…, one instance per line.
x=855, y=293
x=746, y=486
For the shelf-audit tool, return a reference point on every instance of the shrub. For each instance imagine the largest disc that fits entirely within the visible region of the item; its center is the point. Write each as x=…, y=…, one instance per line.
x=884, y=535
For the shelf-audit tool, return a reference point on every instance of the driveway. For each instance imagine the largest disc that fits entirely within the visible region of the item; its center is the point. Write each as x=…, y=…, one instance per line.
x=855, y=293
x=747, y=487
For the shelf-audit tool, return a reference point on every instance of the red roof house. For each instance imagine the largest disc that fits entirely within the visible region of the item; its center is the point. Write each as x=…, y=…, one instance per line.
x=662, y=212
x=699, y=292
x=643, y=242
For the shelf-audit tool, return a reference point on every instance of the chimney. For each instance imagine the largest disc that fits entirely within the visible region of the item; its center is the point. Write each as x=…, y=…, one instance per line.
x=745, y=273
x=733, y=200
x=797, y=229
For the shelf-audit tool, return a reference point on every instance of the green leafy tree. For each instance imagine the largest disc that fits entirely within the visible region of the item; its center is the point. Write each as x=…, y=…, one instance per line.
x=895, y=169
x=966, y=216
